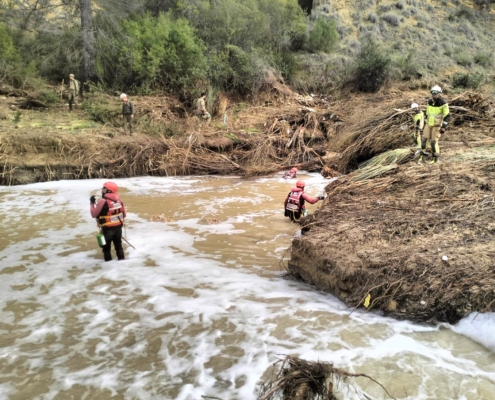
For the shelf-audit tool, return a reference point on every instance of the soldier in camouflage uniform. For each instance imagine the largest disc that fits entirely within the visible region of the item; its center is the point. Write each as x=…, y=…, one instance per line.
x=73, y=91
x=127, y=112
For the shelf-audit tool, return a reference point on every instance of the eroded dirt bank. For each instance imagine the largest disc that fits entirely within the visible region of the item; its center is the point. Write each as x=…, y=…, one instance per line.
x=42, y=145
x=416, y=241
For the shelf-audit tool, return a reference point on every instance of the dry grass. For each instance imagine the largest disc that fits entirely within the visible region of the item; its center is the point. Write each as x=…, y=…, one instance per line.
x=299, y=379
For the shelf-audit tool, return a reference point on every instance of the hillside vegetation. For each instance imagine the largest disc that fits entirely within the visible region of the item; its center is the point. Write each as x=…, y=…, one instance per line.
x=183, y=48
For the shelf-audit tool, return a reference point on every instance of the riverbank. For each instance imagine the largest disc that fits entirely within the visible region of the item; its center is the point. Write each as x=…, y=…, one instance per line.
x=43, y=144
x=411, y=240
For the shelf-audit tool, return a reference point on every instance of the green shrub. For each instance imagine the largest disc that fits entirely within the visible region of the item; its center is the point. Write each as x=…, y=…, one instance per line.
x=161, y=52
x=235, y=69
x=467, y=81
x=463, y=58
x=372, y=17
x=286, y=63
x=466, y=13
x=391, y=19
x=407, y=67
x=246, y=24
x=9, y=56
x=101, y=110
x=483, y=59
x=49, y=97
x=372, y=67
x=323, y=37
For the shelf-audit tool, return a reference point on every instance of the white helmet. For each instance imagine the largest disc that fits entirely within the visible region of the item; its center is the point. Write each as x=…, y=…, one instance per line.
x=122, y=96
x=414, y=105
x=436, y=90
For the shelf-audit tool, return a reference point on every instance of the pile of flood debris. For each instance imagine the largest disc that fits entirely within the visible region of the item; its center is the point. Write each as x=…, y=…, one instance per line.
x=298, y=379
x=416, y=241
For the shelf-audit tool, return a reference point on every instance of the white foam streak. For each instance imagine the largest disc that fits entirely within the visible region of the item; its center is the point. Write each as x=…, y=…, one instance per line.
x=479, y=327
x=173, y=321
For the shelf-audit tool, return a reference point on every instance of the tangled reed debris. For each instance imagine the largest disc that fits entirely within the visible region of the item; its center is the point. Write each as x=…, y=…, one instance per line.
x=387, y=238
x=299, y=379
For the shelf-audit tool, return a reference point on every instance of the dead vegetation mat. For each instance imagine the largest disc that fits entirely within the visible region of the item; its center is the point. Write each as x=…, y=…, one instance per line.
x=298, y=379
x=260, y=140
x=384, y=128
x=418, y=244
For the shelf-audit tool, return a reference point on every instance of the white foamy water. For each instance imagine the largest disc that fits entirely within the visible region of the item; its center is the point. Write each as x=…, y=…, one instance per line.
x=200, y=307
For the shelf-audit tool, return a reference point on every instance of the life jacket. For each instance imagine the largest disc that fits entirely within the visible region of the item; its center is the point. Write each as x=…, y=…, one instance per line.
x=112, y=212
x=295, y=203
x=289, y=175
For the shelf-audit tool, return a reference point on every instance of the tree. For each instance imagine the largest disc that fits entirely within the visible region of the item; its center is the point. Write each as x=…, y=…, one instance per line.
x=88, y=40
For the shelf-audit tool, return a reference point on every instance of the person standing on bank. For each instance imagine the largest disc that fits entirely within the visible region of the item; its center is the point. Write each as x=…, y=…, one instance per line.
x=437, y=119
x=73, y=91
x=110, y=214
x=201, y=109
x=419, y=123
x=127, y=113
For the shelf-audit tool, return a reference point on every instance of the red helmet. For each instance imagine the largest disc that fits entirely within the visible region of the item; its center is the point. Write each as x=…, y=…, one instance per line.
x=300, y=184
x=111, y=187
x=293, y=169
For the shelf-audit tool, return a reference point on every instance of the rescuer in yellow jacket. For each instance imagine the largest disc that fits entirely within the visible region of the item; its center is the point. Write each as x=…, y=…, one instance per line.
x=437, y=119
x=419, y=123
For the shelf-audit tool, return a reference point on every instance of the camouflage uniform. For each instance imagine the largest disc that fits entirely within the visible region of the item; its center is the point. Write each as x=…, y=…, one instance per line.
x=201, y=109
x=128, y=114
x=73, y=91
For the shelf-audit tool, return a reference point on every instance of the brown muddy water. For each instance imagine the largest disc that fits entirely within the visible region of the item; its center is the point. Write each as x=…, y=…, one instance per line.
x=200, y=307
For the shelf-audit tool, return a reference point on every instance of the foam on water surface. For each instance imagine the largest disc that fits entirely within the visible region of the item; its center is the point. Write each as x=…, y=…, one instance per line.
x=196, y=309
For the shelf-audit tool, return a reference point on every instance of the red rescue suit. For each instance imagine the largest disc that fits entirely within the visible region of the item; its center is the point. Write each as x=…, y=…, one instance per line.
x=294, y=203
x=110, y=211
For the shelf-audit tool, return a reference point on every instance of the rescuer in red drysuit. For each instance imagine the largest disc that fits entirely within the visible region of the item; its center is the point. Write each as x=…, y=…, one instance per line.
x=110, y=213
x=294, y=202
x=291, y=174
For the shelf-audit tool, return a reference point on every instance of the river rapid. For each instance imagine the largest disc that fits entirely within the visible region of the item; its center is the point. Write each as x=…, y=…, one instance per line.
x=200, y=307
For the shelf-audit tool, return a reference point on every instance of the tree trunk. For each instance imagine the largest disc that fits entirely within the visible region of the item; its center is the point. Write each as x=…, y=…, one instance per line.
x=88, y=41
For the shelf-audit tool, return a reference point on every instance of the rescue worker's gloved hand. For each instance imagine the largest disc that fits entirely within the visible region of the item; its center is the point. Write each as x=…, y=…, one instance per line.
x=92, y=200
x=442, y=131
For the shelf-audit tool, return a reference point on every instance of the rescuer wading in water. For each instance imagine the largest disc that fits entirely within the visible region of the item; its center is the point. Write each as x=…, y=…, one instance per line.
x=110, y=214
x=291, y=174
x=294, y=202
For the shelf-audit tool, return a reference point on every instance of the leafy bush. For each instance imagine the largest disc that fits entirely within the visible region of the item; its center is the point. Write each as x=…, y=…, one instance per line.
x=463, y=58
x=483, y=59
x=102, y=110
x=323, y=37
x=391, y=19
x=372, y=17
x=161, y=52
x=246, y=24
x=49, y=97
x=372, y=67
x=285, y=62
x=467, y=81
x=407, y=67
x=235, y=69
x=467, y=13
x=9, y=56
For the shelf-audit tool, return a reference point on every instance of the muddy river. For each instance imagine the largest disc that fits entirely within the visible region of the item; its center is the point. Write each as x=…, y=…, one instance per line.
x=199, y=308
